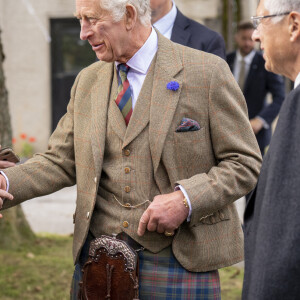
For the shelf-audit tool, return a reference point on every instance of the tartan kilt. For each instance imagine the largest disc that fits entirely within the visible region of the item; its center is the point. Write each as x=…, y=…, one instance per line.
x=163, y=278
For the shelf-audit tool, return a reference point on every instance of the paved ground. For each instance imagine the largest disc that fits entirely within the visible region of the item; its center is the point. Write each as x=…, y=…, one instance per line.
x=54, y=213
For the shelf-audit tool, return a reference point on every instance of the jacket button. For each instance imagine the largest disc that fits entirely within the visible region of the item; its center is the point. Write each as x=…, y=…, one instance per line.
x=127, y=170
x=127, y=189
x=125, y=224
x=88, y=215
x=127, y=152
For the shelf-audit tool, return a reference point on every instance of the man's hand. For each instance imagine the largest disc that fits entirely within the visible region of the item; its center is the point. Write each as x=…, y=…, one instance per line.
x=256, y=124
x=6, y=164
x=3, y=193
x=165, y=214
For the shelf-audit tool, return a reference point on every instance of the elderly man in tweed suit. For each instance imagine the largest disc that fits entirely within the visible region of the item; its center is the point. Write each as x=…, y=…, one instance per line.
x=157, y=138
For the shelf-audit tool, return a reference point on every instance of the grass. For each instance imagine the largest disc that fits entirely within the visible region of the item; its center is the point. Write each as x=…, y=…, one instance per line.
x=43, y=271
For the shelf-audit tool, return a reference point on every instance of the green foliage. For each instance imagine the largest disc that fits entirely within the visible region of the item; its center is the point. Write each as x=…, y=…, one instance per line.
x=41, y=270
x=15, y=229
x=229, y=23
x=231, y=283
x=27, y=150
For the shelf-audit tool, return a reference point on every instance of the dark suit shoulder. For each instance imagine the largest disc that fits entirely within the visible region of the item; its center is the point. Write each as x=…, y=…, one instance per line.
x=195, y=35
x=231, y=56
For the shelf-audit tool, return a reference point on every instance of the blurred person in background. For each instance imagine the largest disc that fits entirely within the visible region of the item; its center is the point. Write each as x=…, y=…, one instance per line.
x=248, y=68
x=170, y=22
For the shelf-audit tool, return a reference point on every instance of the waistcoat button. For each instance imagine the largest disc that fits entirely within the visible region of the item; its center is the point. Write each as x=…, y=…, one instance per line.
x=127, y=189
x=127, y=170
x=127, y=152
x=128, y=205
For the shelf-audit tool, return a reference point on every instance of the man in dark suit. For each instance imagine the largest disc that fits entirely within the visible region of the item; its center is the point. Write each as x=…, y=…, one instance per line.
x=247, y=66
x=272, y=222
x=175, y=26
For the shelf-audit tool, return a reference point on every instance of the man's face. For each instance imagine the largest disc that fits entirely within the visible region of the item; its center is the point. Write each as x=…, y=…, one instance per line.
x=160, y=8
x=107, y=38
x=273, y=41
x=244, y=41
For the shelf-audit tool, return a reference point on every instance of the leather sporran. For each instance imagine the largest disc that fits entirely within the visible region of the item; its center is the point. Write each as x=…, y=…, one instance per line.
x=111, y=271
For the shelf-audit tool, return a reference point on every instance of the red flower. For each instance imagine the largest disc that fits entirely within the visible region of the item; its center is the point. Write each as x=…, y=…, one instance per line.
x=14, y=140
x=23, y=136
x=32, y=139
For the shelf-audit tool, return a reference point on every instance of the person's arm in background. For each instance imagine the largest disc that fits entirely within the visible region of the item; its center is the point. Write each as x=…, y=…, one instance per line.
x=275, y=85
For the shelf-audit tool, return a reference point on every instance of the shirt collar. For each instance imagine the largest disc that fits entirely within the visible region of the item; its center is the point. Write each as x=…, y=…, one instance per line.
x=248, y=58
x=141, y=60
x=297, y=81
x=164, y=24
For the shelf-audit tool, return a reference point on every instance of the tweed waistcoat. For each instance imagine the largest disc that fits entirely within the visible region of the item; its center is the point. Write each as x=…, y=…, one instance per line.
x=127, y=183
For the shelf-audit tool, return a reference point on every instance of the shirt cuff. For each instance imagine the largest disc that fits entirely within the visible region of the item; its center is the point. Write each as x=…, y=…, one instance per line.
x=180, y=187
x=265, y=124
x=7, y=181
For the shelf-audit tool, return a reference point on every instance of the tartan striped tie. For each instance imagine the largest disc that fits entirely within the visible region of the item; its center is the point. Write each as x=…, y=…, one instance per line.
x=123, y=99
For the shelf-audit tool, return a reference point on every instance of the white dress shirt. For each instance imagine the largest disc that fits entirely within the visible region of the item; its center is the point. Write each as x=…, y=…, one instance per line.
x=166, y=23
x=297, y=81
x=237, y=64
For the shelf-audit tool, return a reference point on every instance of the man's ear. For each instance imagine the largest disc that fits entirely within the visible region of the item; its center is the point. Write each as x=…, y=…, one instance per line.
x=130, y=16
x=294, y=26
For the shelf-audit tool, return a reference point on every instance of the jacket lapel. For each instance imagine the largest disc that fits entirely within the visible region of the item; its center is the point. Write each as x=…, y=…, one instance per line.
x=180, y=34
x=100, y=98
x=231, y=58
x=252, y=71
x=163, y=101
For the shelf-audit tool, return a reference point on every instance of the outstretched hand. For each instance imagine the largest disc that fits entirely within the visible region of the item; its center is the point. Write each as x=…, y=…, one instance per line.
x=3, y=193
x=6, y=164
x=165, y=214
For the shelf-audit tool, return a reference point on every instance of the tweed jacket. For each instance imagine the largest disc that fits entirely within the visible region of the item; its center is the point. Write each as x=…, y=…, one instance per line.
x=216, y=165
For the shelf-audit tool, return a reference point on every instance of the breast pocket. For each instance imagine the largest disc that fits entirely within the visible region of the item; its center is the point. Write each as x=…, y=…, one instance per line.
x=190, y=148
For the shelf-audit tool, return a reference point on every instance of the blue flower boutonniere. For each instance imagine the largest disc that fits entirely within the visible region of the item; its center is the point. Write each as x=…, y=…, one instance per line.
x=173, y=86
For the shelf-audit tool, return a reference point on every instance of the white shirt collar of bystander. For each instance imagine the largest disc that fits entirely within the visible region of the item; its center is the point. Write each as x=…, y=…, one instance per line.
x=297, y=81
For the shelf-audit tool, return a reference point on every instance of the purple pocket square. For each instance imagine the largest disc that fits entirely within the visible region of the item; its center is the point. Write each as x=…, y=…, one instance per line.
x=187, y=124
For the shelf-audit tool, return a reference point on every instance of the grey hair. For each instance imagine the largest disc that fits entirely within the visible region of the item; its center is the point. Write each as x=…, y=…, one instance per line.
x=117, y=8
x=281, y=6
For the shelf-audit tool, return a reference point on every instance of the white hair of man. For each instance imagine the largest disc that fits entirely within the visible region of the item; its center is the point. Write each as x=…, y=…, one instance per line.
x=117, y=8
x=280, y=7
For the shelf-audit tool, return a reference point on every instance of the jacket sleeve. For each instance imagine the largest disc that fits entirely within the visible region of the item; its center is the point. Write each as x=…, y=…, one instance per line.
x=48, y=172
x=235, y=148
